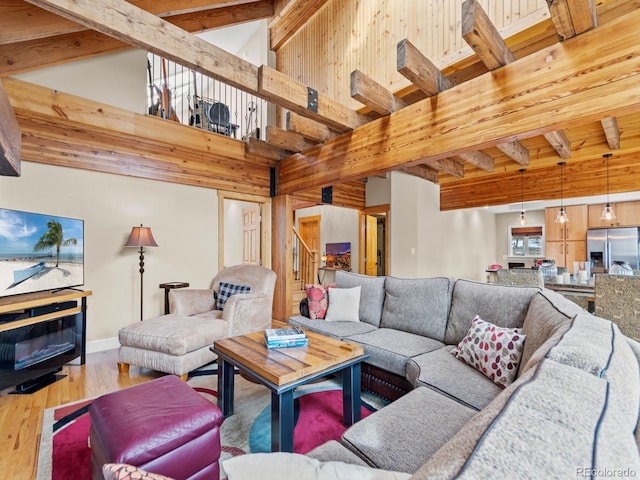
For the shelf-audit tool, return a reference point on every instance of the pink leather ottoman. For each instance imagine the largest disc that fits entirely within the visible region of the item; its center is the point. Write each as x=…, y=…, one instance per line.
x=163, y=426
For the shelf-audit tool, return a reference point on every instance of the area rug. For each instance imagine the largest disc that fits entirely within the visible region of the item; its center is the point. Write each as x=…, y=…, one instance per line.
x=65, y=453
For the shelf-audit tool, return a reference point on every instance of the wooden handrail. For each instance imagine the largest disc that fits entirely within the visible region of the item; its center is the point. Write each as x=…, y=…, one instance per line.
x=306, y=265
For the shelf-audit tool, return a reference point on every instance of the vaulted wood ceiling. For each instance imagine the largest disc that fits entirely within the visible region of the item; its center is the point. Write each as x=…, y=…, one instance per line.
x=531, y=101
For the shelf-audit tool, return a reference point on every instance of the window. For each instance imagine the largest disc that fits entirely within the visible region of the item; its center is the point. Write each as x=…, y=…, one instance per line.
x=526, y=242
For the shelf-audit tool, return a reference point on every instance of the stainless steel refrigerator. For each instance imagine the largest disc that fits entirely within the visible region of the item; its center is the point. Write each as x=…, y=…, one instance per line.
x=608, y=245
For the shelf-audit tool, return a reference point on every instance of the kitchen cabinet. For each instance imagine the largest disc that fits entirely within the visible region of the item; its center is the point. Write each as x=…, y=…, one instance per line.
x=627, y=215
x=566, y=242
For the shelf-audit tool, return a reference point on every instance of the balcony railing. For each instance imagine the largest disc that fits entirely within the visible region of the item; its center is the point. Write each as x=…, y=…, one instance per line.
x=183, y=95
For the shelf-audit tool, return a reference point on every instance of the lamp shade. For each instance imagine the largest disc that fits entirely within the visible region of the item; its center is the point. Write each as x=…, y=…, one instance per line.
x=141, y=237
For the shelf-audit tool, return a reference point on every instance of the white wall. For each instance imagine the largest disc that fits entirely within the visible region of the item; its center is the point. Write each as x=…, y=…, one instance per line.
x=337, y=224
x=117, y=79
x=183, y=221
x=458, y=244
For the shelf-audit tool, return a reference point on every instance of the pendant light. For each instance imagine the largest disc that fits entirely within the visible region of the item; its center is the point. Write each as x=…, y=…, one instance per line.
x=562, y=214
x=607, y=211
x=523, y=216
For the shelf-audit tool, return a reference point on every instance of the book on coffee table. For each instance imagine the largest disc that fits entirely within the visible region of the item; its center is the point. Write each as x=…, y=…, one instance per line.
x=296, y=342
x=280, y=334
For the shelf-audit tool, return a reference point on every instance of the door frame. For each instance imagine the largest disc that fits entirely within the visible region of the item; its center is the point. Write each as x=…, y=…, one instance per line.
x=265, y=224
x=362, y=214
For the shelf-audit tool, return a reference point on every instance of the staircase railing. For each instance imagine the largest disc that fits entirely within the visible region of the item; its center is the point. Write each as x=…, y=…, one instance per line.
x=305, y=260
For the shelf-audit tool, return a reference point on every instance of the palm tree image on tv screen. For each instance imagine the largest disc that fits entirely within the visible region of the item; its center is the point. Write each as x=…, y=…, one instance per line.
x=54, y=238
x=39, y=252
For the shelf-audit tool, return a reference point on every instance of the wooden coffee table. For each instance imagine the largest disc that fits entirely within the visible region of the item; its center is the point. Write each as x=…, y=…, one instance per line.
x=281, y=370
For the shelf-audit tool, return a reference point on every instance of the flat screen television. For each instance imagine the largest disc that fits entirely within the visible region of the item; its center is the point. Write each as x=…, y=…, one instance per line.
x=39, y=252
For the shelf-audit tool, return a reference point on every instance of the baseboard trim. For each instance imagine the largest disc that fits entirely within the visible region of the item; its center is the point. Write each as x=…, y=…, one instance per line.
x=101, y=345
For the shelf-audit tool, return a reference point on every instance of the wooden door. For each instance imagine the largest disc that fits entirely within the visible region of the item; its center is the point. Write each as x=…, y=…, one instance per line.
x=555, y=251
x=576, y=227
x=251, y=235
x=554, y=232
x=574, y=251
x=627, y=213
x=371, y=242
x=309, y=229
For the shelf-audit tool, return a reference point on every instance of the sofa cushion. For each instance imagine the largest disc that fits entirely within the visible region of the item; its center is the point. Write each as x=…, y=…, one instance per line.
x=494, y=351
x=417, y=305
x=548, y=317
x=404, y=434
x=390, y=349
x=333, y=329
x=371, y=294
x=502, y=305
x=451, y=457
x=444, y=373
x=335, y=451
x=173, y=334
x=561, y=411
x=318, y=300
x=344, y=304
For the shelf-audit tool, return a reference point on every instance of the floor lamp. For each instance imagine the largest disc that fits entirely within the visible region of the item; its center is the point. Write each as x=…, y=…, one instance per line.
x=141, y=237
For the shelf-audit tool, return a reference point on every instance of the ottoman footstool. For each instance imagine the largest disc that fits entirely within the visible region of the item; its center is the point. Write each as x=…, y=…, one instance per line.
x=162, y=426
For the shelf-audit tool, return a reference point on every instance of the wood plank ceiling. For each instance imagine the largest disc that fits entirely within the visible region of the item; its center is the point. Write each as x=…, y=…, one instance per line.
x=543, y=101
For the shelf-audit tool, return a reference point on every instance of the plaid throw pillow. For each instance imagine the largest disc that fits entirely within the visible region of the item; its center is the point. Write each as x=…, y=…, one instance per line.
x=227, y=290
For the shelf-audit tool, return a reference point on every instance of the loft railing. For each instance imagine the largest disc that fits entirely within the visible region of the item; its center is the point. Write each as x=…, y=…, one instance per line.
x=305, y=260
x=183, y=95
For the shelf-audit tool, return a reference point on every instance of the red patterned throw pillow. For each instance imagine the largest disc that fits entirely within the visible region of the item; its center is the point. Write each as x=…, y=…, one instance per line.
x=494, y=351
x=318, y=300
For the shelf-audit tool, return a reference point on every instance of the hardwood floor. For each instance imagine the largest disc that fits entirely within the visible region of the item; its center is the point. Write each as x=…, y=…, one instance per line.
x=21, y=415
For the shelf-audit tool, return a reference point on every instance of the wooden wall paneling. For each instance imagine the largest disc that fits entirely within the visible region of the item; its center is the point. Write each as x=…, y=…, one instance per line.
x=515, y=105
x=10, y=137
x=583, y=178
x=347, y=195
x=348, y=34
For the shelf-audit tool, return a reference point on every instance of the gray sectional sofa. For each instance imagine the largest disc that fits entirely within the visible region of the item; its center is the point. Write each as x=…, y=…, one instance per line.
x=572, y=411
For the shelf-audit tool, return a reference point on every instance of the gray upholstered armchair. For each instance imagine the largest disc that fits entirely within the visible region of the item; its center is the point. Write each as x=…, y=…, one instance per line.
x=244, y=312
x=179, y=342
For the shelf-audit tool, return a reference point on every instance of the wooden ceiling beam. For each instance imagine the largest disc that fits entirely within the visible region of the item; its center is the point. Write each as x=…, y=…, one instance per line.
x=370, y=93
x=598, y=72
x=293, y=95
x=289, y=20
x=419, y=70
x=23, y=22
x=611, y=131
x=447, y=165
x=479, y=159
x=263, y=149
x=10, y=137
x=516, y=151
x=483, y=37
x=287, y=140
x=309, y=129
x=422, y=171
x=560, y=143
x=142, y=29
x=53, y=50
x=573, y=17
